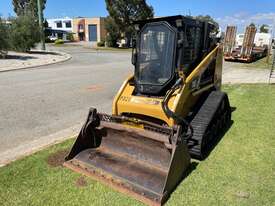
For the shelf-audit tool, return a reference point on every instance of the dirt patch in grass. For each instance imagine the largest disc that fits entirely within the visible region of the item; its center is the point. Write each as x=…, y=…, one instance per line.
x=242, y=194
x=57, y=159
x=81, y=182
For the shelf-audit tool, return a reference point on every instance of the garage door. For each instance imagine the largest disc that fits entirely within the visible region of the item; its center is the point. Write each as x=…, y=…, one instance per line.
x=92, y=32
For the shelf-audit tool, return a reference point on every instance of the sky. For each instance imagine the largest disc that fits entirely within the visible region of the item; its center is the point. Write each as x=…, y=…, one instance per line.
x=226, y=12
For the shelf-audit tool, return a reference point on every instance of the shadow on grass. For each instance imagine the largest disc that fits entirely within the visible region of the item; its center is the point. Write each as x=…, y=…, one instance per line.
x=211, y=147
x=193, y=165
x=44, y=53
x=24, y=58
x=19, y=57
x=220, y=135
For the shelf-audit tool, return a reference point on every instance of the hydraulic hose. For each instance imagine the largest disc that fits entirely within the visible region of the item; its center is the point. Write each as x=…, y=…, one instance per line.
x=169, y=113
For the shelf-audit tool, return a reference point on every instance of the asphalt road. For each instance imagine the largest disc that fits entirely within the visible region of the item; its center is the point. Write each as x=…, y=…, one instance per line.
x=41, y=101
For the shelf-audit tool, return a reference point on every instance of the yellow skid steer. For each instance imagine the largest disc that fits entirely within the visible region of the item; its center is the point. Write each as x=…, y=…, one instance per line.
x=170, y=109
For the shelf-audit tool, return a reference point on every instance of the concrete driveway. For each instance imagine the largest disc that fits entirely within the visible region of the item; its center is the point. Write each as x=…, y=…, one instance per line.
x=41, y=105
x=236, y=73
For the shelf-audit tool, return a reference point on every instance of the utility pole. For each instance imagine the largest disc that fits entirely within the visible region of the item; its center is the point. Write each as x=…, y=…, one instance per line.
x=41, y=26
x=270, y=43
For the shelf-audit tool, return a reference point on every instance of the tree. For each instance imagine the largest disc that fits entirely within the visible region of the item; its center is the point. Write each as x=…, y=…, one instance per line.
x=124, y=12
x=23, y=35
x=113, y=32
x=47, y=32
x=264, y=29
x=46, y=23
x=4, y=39
x=23, y=7
x=209, y=19
x=28, y=11
x=252, y=24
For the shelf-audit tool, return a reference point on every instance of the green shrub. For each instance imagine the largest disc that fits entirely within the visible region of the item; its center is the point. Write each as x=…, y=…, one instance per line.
x=101, y=44
x=4, y=39
x=58, y=42
x=113, y=33
x=70, y=37
x=24, y=33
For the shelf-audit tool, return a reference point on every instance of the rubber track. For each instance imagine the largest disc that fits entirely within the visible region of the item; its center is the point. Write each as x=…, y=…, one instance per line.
x=209, y=113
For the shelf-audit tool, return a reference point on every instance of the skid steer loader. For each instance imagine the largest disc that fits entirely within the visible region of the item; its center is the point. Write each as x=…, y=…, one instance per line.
x=170, y=109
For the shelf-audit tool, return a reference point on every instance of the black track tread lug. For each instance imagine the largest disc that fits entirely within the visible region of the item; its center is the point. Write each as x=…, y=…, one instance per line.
x=202, y=122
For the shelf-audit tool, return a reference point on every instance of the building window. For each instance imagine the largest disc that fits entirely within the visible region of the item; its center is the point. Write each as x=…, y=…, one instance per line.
x=59, y=24
x=80, y=26
x=68, y=24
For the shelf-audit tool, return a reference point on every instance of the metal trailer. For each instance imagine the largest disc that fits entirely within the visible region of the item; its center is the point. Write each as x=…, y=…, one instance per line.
x=248, y=52
x=230, y=39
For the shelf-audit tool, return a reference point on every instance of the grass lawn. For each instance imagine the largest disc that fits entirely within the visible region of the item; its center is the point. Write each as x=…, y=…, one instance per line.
x=240, y=170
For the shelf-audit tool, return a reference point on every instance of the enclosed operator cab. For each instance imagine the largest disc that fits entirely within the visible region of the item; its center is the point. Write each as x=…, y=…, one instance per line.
x=163, y=47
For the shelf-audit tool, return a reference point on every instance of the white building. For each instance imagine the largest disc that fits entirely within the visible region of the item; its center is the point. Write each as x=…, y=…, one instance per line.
x=261, y=39
x=60, y=27
x=64, y=24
